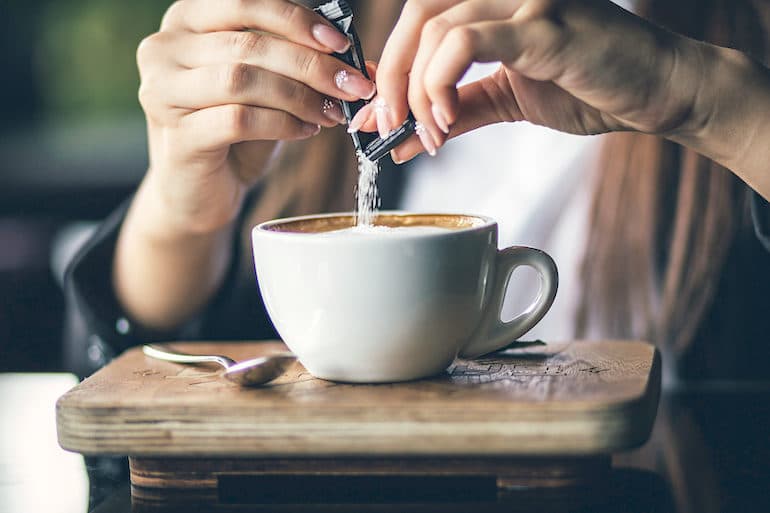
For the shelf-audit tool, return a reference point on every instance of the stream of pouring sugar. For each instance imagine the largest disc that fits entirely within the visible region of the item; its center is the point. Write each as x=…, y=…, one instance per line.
x=368, y=200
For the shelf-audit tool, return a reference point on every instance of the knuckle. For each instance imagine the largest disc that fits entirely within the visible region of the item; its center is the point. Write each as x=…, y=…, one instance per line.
x=148, y=91
x=435, y=26
x=153, y=106
x=282, y=125
x=463, y=37
x=236, y=120
x=554, y=38
x=247, y=44
x=149, y=48
x=290, y=126
x=145, y=95
x=290, y=12
x=299, y=94
x=235, y=77
x=174, y=12
x=307, y=61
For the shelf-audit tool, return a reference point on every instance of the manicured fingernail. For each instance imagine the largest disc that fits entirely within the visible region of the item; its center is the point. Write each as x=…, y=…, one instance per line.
x=395, y=159
x=332, y=110
x=354, y=84
x=360, y=118
x=425, y=138
x=310, y=129
x=331, y=38
x=441, y=119
x=382, y=111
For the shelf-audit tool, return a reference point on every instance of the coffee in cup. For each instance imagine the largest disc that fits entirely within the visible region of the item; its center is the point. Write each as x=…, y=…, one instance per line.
x=396, y=301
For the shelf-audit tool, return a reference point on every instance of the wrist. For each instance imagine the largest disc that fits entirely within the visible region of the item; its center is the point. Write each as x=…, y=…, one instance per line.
x=165, y=218
x=730, y=118
x=163, y=271
x=718, y=103
x=693, y=63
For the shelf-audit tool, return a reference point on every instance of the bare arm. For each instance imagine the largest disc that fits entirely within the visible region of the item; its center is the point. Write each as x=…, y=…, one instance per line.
x=163, y=276
x=730, y=123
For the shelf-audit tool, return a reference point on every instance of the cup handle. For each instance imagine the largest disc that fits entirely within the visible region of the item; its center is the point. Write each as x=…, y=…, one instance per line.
x=493, y=333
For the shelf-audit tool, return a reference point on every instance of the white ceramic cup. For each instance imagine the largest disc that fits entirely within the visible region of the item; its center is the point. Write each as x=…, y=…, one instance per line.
x=396, y=306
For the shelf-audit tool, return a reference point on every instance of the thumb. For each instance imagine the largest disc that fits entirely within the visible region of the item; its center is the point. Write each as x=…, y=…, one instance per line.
x=484, y=102
x=480, y=103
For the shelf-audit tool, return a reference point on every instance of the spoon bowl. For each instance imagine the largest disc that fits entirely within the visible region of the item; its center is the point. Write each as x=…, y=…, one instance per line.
x=256, y=371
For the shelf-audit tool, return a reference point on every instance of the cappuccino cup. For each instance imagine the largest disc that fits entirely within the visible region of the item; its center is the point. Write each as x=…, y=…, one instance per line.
x=396, y=301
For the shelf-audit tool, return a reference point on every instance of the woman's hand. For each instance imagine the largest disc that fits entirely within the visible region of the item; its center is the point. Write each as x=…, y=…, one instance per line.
x=221, y=82
x=579, y=66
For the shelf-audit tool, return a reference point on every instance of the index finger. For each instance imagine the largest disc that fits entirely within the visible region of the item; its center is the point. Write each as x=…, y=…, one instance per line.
x=399, y=53
x=279, y=17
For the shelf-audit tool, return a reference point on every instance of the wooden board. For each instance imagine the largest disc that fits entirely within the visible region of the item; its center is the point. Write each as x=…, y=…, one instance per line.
x=577, y=398
x=205, y=480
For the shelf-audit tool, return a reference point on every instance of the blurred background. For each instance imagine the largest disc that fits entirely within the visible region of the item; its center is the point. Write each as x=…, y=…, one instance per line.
x=72, y=146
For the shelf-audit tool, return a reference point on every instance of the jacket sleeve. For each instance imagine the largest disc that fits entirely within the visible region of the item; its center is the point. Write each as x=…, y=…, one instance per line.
x=97, y=328
x=760, y=213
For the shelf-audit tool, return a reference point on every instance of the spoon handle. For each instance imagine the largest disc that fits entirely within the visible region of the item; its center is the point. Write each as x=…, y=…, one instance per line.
x=164, y=353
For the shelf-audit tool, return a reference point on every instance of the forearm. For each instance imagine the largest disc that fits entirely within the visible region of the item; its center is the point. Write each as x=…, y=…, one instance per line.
x=163, y=275
x=730, y=121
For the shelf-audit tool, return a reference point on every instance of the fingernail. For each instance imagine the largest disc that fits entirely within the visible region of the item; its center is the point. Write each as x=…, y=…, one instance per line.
x=331, y=38
x=360, y=118
x=425, y=138
x=395, y=159
x=382, y=111
x=441, y=119
x=354, y=84
x=332, y=110
x=310, y=129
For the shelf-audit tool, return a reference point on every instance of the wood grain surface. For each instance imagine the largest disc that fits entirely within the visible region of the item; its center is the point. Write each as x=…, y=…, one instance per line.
x=576, y=398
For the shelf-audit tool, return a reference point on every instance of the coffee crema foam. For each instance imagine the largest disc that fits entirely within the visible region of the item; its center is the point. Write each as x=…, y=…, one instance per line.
x=384, y=231
x=330, y=223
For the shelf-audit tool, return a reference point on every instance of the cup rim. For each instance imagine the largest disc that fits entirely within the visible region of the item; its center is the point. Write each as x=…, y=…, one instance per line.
x=486, y=222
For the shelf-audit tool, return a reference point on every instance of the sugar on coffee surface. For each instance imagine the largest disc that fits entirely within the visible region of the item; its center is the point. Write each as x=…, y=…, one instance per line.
x=383, y=231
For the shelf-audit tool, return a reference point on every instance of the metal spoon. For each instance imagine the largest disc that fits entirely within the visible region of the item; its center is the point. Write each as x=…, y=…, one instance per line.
x=256, y=371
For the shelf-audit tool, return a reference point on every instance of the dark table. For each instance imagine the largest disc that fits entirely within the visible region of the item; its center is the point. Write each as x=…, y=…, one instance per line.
x=709, y=452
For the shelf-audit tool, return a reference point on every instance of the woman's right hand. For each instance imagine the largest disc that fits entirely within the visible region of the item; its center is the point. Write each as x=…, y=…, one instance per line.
x=221, y=82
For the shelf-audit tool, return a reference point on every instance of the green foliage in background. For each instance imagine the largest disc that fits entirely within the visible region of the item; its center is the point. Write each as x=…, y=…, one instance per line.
x=86, y=57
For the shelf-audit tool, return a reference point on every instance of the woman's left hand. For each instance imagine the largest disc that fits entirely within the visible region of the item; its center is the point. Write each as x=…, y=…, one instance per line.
x=579, y=66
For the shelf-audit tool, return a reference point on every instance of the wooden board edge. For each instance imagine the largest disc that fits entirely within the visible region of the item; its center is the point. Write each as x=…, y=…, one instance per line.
x=627, y=435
